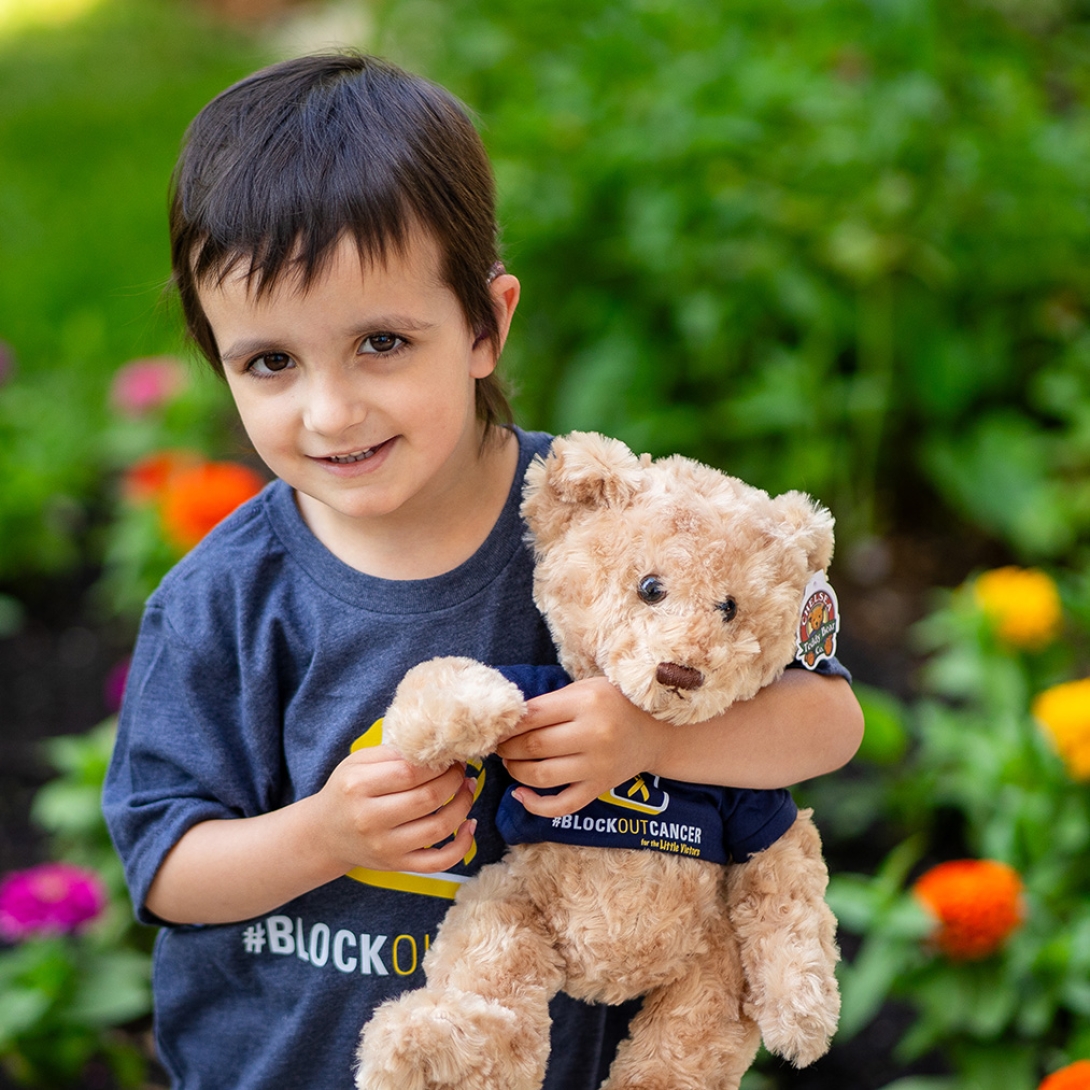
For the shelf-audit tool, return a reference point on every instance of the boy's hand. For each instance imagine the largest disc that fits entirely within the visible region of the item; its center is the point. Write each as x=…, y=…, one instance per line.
x=378, y=811
x=586, y=735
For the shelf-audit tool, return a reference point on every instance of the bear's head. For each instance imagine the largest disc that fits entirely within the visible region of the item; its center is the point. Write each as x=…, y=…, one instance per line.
x=681, y=585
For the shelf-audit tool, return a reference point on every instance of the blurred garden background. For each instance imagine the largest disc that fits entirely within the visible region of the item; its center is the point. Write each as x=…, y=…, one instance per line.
x=836, y=245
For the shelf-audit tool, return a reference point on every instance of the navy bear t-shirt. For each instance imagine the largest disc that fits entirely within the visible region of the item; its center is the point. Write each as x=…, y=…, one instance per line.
x=719, y=824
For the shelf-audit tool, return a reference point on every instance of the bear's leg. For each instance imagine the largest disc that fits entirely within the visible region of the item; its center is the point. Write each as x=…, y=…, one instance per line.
x=482, y=1021
x=787, y=940
x=692, y=1034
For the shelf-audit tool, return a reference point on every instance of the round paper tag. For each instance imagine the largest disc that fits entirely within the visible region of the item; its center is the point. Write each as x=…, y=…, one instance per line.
x=819, y=622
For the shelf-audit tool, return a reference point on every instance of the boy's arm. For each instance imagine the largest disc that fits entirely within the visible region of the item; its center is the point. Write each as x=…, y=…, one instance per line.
x=375, y=811
x=592, y=738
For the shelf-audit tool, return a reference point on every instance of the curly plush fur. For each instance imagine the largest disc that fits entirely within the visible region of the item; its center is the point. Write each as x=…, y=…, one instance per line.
x=722, y=955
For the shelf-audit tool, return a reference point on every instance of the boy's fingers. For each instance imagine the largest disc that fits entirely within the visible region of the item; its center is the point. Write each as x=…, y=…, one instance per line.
x=417, y=842
x=552, y=773
x=546, y=710
x=431, y=860
x=375, y=755
x=542, y=743
x=399, y=776
x=432, y=825
x=572, y=798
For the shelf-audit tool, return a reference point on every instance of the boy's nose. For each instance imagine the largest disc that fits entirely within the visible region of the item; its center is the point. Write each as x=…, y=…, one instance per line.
x=331, y=406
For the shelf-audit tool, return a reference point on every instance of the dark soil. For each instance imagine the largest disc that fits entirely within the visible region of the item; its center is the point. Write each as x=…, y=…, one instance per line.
x=52, y=682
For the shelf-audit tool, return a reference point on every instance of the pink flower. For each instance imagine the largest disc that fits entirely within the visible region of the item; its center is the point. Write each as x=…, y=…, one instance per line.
x=47, y=899
x=143, y=385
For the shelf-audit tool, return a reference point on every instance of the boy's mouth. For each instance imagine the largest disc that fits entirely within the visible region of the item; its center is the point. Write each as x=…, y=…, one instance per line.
x=343, y=459
x=356, y=455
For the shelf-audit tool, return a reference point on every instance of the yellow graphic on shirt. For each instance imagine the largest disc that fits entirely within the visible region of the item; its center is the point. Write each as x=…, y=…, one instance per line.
x=445, y=883
x=637, y=794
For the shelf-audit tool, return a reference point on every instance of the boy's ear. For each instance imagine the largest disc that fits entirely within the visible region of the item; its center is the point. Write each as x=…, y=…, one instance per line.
x=582, y=471
x=505, y=290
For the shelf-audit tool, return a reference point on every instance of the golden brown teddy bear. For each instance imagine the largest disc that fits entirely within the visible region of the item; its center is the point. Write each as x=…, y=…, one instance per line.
x=684, y=587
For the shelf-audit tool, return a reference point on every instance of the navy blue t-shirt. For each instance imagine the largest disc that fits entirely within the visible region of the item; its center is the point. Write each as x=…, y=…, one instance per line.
x=262, y=660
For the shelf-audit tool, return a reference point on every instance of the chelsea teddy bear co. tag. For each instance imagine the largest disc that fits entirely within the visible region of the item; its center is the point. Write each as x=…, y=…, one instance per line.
x=683, y=587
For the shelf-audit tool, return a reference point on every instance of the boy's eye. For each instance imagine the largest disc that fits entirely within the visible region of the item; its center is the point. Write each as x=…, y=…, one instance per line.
x=380, y=344
x=270, y=363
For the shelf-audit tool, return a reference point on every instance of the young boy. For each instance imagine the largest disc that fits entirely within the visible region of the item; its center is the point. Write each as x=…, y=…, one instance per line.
x=334, y=246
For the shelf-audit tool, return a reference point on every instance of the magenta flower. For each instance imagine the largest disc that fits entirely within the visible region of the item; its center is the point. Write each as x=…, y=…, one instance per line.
x=140, y=386
x=48, y=899
x=113, y=689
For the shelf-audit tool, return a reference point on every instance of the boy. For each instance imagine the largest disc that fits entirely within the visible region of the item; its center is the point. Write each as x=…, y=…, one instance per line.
x=334, y=246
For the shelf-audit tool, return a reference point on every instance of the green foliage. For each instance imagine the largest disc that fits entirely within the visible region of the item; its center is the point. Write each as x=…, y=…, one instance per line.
x=983, y=780
x=59, y=999
x=830, y=244
x=69, y=806
x=63, y=998
x=886, y=739
x=93, y=117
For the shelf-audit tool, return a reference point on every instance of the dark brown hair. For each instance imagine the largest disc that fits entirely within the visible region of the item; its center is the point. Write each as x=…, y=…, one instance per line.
x=280, y=167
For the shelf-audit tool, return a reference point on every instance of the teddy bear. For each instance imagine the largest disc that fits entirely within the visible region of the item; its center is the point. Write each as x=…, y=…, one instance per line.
x=684, y=587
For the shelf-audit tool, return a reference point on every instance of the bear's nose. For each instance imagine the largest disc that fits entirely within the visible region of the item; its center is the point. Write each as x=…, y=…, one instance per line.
x=674, y=676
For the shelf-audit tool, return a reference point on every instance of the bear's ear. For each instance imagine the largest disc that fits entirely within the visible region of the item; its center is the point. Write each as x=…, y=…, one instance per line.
x=582, y=471
x=809, y=526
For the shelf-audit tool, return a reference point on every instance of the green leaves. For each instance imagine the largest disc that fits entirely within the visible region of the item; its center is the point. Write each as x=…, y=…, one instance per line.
x=828, y=245
x=894, y=923
x=978, y=778
x=885, y=740
x=62, y=997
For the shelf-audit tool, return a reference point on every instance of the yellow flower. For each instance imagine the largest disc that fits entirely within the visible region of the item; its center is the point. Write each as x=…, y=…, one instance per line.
x=1022, y=604
x=1064, y=712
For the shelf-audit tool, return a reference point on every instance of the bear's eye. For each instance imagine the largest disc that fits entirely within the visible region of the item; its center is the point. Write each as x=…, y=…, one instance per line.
x=729, y=609
x=651, y=590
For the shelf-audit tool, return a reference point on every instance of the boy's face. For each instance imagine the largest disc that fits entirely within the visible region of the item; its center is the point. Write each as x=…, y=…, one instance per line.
x=360, y=391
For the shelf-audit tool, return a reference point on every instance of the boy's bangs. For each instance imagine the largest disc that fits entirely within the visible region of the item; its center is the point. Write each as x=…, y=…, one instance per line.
x=265, y=263
x=283, y=219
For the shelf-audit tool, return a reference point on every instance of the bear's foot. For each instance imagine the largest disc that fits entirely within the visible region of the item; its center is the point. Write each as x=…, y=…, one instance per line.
x=800, y=1024
x=452, y=1040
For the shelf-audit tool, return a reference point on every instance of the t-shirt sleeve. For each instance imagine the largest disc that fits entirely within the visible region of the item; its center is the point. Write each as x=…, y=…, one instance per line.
x=830, y=667
x=753, y=820
x=179, y=758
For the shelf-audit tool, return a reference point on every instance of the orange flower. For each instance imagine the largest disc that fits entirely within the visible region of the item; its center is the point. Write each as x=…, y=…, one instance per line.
x=145, y=480
x=1022, y=604
x=195, y=499
x=1064, y=713
x=977, y=902
x=1075, y=1076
